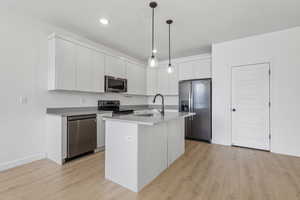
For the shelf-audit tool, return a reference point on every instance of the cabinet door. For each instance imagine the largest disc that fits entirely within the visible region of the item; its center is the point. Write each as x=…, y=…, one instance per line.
x=173, y=82
x=132, y=78
x=65, y=68
x=115, y=67
x=142, y=80
x=202, y=69
x=98, y=63
x=84, y=69
x=136, y=76
x=162, y=80
x=196, y=69
x=151, y=81
x=186, y=70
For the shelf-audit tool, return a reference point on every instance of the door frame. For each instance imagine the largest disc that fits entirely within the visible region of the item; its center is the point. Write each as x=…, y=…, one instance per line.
x=231, y=124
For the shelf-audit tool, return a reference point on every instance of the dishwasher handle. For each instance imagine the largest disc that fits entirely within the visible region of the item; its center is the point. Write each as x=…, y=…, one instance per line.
x=81, y=117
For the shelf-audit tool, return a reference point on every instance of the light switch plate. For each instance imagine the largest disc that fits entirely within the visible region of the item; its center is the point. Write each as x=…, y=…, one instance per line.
x=23, y=100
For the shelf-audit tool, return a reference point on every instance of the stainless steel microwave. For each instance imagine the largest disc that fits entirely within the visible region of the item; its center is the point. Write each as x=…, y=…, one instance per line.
x=113, y=84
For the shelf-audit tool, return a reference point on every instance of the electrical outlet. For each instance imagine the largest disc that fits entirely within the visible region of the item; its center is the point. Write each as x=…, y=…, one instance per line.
x=82, y=100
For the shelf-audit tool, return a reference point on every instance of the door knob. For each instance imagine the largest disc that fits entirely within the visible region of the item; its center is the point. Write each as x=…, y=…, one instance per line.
x=233, y=110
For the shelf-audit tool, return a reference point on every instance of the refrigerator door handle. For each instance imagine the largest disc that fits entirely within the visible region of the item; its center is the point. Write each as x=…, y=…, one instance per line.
x=190, y=118
x=191, y=99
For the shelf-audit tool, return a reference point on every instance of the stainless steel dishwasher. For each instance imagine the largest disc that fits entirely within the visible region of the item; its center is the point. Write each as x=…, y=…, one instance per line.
x=81, y=135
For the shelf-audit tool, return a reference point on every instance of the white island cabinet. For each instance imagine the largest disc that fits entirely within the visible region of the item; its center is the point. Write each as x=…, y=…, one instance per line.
x=139, y=148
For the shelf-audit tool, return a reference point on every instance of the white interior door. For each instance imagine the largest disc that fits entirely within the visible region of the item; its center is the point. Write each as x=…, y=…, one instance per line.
x=250, y=106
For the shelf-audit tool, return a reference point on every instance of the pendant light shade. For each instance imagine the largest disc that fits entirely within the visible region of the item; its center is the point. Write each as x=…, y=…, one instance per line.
x=152, y=62
x=170, y=67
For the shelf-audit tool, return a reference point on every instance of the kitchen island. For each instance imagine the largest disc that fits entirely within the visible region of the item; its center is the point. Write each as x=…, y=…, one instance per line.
x=141, y=146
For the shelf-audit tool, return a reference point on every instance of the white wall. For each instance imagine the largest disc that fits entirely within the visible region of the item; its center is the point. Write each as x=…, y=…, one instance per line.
x=282, y=50
x=23, y=72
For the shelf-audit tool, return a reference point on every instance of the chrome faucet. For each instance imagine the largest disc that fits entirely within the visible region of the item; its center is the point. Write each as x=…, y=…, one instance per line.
x=162, y=103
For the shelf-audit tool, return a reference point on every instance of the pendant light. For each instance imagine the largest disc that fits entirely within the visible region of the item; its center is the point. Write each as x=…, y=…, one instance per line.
x=170, y=67
x=152, y=62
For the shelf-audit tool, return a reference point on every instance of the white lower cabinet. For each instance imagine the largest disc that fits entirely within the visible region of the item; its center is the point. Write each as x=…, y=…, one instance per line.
x=101, y=130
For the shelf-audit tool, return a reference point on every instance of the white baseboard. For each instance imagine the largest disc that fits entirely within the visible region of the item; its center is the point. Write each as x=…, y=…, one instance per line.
x=15, y=163
x=295, y=154
x=220, y=143
x=99, y=149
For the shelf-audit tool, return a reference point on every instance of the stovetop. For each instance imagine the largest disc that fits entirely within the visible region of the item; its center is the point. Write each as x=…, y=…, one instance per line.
x=125, y=112
x=114, y=106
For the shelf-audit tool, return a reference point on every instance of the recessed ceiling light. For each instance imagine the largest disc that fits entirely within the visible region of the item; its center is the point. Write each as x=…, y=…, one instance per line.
x=104, y=21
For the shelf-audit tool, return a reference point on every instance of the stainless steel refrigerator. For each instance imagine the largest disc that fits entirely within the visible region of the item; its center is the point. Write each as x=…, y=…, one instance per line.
x=195, y=96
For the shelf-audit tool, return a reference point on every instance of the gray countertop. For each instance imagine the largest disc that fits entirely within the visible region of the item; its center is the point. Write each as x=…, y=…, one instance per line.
x=69, y=111
x=153, y=120
x=64, y=112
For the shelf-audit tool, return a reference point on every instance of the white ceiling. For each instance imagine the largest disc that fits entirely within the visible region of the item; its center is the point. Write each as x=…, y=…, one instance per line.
x=197, y=23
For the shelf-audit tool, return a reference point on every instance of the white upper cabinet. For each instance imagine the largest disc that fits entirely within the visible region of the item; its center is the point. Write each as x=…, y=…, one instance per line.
x=203, y=70
x=84, y=69
x=186, y=70
x=195, y=69
x=136, y=77
x=115, y=67
x=162, y=80
x=62, y=66
x=90, y=70
x=173, y=82
x=151, y=81
x=73, y=66
x=167, y=84
x=98, y=66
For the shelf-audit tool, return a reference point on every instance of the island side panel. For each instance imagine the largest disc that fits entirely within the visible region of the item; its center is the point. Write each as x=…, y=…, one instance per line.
x=121, y=153
x=56, y=138
x=152, y=152
x=176, y=140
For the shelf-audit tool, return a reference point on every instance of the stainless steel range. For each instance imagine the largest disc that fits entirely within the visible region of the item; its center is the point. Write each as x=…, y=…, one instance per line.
x=114, y=106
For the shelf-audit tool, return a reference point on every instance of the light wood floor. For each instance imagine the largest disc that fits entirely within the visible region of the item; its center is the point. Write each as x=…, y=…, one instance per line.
x=204, y=172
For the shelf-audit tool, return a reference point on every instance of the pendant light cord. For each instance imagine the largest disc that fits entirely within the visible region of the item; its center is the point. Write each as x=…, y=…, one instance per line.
x=169, y=44
x=152, y=32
